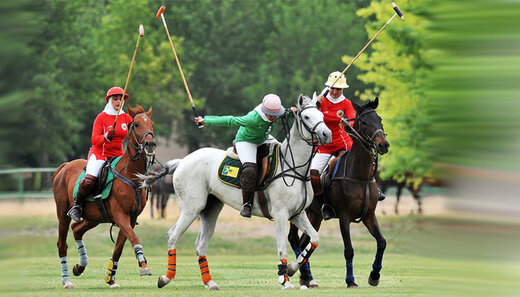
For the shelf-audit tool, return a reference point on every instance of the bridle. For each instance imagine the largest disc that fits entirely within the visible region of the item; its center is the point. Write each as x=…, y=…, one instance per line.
x=300, y=123
x=367, y=141
x=140, y=147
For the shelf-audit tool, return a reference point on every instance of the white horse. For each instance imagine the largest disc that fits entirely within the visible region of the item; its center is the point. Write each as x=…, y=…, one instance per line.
x=201, y=194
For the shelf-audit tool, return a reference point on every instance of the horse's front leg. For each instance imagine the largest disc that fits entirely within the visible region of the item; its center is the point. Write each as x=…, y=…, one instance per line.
x=110, y=278
x=280, y=226
x=344, y=224
x=127, y=228
x=78, y=230
x=304, y=248
x=373, y=227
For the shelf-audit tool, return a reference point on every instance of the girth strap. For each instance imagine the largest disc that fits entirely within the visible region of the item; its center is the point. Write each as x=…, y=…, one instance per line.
x=131, y=184
x=102, y=208
x=262, y=200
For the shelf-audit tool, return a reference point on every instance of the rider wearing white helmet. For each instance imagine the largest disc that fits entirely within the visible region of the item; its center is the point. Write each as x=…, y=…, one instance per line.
x=254, y=131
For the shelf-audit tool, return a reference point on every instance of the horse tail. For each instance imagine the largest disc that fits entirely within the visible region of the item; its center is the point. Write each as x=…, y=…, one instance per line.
x=58, y=170
x=150, y=178
x=172, y=165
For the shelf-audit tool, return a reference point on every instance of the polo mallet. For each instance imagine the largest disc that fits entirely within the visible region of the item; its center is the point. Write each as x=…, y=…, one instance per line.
x=160, y=13
x=141, y=34
x=397, y=12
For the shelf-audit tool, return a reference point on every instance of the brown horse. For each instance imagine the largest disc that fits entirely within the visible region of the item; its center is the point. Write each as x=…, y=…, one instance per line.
x=124, y=205
x=352, y=193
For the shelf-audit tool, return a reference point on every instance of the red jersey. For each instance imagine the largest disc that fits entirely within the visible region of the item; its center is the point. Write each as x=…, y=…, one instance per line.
x=332, y=114
x=102, y=148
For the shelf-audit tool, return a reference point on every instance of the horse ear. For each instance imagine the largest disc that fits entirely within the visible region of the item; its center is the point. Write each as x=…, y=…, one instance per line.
x=375, y=103
x=314, y=98
x=300, y=100
x=131, y=111
x=149, y=112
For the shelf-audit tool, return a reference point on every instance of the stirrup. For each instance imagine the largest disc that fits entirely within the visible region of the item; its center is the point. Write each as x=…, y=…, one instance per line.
x=75, y=213
x=327, y=212
x=246, y=210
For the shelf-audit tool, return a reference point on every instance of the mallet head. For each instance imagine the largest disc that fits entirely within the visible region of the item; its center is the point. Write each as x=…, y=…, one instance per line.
x=160, y=11
x=141, y=30
x=398, y=11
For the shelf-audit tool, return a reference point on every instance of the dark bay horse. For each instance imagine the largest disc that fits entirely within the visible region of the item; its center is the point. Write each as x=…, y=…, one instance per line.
x=123, y=206
x=160, y=193
x=352, y=193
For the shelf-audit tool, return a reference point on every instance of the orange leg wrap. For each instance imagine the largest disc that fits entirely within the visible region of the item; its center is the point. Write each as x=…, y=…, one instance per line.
x=204, y=269
x=172, y=264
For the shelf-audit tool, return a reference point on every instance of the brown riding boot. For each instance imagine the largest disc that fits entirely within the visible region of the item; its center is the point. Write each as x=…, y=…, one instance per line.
x=86, y=186
x=316, y=183
x=248, y=179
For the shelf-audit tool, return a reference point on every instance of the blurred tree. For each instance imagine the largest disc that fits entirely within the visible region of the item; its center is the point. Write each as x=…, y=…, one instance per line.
x=397, y=67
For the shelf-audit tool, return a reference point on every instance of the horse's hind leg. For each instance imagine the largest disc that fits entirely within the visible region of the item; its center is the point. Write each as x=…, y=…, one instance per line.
x=208, y=218
x=63, y=230
x=186, y=218
x=78, y=230
x=373, y=227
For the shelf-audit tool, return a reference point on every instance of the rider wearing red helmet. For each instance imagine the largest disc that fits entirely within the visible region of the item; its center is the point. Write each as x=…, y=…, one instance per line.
x=107, y=142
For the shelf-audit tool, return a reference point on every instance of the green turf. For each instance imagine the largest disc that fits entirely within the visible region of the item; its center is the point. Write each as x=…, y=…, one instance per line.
x=425, y=256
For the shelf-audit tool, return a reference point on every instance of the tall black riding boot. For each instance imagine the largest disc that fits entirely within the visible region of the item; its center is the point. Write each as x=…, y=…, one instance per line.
x=326, y=209
x=248, y=180
x=86, y=185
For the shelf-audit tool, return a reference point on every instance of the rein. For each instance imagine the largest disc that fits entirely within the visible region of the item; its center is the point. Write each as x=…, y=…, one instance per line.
x=291, y=171
x=369, y=145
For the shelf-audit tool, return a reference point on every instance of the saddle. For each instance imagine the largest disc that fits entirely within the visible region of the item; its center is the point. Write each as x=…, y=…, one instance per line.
x=104, y=181
x=267, y=160
x=332, y=169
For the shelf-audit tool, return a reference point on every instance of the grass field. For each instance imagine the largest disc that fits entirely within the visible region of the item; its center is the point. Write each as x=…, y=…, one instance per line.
x=425, y=256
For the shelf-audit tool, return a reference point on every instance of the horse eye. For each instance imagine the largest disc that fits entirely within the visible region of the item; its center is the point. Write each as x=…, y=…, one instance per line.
x=136, y=125
x=306, y=117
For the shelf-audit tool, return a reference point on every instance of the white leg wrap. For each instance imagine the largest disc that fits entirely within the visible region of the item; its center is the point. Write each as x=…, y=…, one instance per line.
x=82, y=251
x=138, y=249
x=64, y=270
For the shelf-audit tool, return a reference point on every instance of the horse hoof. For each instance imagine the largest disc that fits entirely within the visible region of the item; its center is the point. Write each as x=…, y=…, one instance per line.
x=115, y=285
x=145, y=271
x=292, y=268
x=373, y=279
x=162, y=281
x=313, y=284
x=352, y=285
x=68, y=285
x=77, y=269
x=212, y=286
x=288, y=286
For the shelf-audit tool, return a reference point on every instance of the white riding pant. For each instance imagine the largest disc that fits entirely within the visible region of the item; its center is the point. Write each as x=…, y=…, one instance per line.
x=247, y=150
x=94, y=165
x=320, y=161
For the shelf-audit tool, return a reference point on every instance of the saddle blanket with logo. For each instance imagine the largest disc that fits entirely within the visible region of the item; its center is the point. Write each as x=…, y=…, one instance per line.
x=107, y=184
x=230, y=169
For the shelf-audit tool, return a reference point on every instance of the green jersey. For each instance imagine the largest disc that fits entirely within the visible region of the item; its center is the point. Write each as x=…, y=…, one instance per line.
x=253, y=127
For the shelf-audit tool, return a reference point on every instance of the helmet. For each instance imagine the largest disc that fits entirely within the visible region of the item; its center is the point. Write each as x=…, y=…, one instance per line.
x=341, y=83
x=115, y=91
x=272, y=105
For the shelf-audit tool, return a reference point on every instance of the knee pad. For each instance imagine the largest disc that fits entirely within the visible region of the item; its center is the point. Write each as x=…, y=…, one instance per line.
x=248, y=176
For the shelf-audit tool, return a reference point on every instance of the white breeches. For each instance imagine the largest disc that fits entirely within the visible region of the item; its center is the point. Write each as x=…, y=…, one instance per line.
x=94, y=165
x=247, y=150
x=320, y=161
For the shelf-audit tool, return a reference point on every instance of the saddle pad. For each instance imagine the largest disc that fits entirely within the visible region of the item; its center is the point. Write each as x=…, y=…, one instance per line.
x=230, y=169
x=108, y=183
